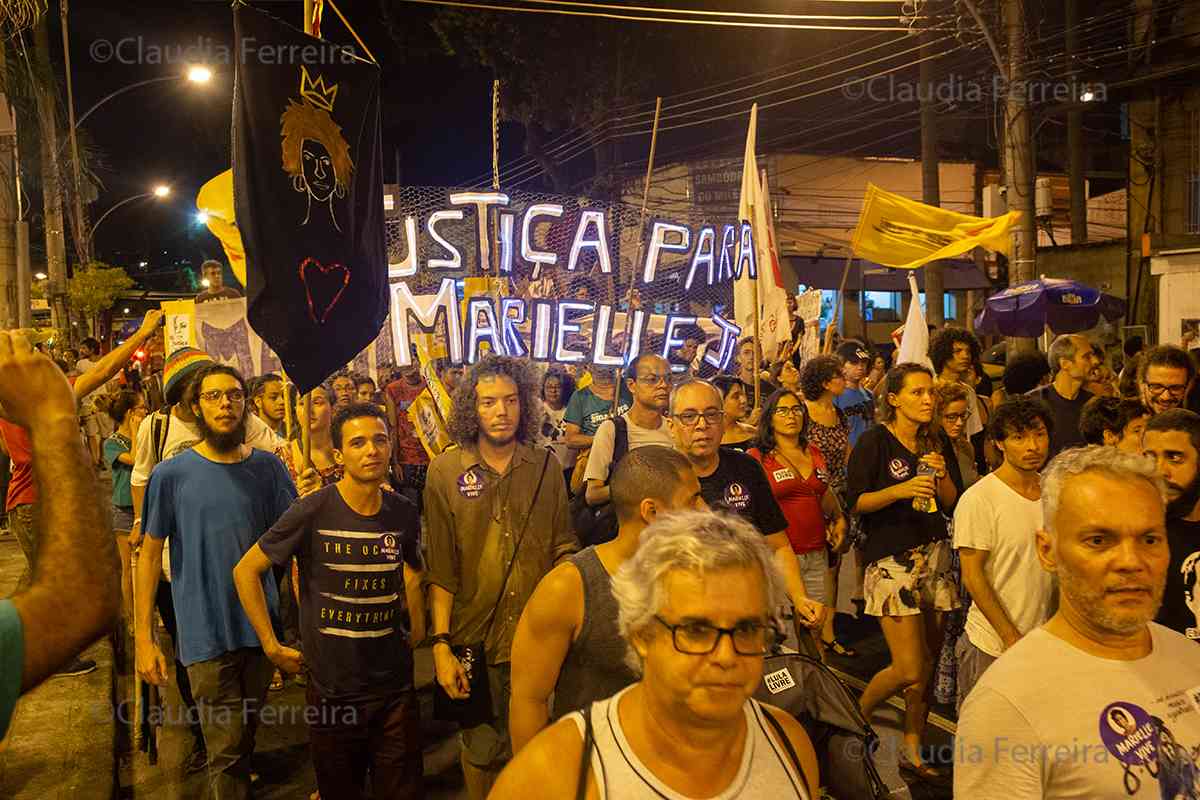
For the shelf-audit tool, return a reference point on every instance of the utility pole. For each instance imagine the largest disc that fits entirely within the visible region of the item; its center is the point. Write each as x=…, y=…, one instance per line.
x=56, y=243
x=1075, y=154
x=8, y=206
x=930, y=186
x=83, y=240
x=1022, y=265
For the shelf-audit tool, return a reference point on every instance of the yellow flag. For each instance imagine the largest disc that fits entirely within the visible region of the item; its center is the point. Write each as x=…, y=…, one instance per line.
x=898, y=232
x=429, y=424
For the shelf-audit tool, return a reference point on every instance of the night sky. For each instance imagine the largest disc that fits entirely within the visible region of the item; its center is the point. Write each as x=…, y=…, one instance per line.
x=436, y=114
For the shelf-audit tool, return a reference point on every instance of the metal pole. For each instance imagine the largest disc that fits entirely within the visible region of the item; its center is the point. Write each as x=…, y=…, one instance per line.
x=104, y=216
x=930, y=185
x=637, y=259
x=1023, y=263
x=83, y=241
x=1075, y=143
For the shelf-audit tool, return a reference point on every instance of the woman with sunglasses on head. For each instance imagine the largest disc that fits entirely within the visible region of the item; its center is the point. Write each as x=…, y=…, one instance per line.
x=903, y=480
x=799, y=480
x=738, y=434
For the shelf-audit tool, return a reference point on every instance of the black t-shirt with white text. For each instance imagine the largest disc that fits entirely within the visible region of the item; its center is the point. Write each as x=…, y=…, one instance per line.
x=739, y=485
x=879, y=461
x=1180, y=610
x=352, y=602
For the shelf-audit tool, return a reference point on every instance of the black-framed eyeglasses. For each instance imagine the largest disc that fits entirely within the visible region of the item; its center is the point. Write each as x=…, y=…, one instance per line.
x=1175, y=390
x=700, y=638
x=653, y=379
x=960, y=417
x=215, y=395
x=688, y=419
x=790, y=411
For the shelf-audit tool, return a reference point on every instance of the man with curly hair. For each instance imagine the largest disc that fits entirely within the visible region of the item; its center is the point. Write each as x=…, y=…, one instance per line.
x=496, y=521
x=953, y=351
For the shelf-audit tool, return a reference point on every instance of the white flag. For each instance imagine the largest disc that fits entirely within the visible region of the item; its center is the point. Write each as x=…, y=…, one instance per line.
x=754, y=207
x=914, y=346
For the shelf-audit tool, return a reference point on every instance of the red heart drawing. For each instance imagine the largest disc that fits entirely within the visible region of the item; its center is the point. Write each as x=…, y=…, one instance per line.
x=317, y=277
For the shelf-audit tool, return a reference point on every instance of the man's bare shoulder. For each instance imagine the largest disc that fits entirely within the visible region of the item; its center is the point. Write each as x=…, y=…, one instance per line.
x=547, y=767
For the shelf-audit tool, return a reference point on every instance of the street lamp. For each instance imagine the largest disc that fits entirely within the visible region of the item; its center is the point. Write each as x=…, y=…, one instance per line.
x=196, y=74
x=160, y=191
x=41, y=276
x=202, y=217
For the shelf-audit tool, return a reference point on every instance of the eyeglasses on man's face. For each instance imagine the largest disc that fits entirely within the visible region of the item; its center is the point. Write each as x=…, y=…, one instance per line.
x=653, y=379
x=215, y=395
x=700, y=638
x=689, y=419
x=1174, y=389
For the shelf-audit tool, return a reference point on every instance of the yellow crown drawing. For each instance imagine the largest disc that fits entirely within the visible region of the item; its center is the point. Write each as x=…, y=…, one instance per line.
x=315, y=91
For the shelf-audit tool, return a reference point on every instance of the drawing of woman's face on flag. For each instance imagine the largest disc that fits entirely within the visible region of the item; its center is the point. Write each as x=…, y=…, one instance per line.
x=317, y=170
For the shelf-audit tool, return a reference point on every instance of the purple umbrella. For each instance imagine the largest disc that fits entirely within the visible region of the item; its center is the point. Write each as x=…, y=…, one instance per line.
x=1065, y=306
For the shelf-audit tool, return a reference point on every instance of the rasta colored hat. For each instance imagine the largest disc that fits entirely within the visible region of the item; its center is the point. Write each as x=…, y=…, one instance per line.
x=180, y=366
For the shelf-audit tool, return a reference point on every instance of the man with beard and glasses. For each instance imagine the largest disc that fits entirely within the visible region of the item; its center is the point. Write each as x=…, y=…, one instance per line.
x=1037, y=725
x=213, y=501
x=1165, y=375
x=496, y=521
x=995, y=524
x=1172, y=439
x=360, y=572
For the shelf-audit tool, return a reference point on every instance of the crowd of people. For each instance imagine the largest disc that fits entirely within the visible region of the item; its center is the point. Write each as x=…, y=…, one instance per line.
x=603, y=558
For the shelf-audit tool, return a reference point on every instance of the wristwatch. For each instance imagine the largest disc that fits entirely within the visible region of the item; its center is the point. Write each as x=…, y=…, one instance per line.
x=439, y=638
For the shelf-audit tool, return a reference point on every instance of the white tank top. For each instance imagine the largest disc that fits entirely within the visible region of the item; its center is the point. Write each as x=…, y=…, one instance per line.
x=766, y=769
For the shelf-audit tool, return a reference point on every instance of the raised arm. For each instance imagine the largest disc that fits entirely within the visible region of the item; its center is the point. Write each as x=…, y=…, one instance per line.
x=74, y=601
x=111, y=363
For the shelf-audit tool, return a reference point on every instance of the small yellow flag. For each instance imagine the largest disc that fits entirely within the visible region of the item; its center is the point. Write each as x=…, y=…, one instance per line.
x=898, y=232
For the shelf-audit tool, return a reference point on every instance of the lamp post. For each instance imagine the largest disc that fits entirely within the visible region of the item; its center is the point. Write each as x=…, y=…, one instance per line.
x=159, y=192
x=195, y=74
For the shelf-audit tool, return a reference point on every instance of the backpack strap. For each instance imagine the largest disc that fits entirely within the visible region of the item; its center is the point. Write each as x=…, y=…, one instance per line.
x=787, y=745
x=589, y=743
x=160, y=426
x=620, y=442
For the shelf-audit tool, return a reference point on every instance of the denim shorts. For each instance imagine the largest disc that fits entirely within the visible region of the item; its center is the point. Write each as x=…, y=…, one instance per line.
x=122, y=519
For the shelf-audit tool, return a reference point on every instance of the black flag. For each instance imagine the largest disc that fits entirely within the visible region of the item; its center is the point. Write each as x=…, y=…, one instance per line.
x=308, y=195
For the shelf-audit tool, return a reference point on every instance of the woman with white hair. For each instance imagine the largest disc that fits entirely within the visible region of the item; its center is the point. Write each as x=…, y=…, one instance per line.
x=698, y=606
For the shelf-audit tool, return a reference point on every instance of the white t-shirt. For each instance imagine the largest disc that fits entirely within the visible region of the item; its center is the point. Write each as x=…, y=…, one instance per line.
x=183, y=435
x=974, y=422
x=992, y=516
x=1048, y=720
x=600, y=458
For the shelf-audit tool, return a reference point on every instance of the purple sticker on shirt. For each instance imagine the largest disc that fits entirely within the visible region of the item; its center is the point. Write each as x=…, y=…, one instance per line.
x=470, y=484
x=1129, y=734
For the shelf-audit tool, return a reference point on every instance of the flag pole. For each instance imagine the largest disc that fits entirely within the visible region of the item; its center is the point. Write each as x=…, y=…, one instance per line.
x=837, y=310
x=757, y=338
x=306, y=431
x=641, y=243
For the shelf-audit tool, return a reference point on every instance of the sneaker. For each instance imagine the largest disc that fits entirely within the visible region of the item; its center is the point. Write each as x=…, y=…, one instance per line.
x=78, y=667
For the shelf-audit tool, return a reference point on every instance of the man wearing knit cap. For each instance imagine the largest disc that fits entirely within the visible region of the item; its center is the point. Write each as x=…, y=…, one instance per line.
x=22, y=491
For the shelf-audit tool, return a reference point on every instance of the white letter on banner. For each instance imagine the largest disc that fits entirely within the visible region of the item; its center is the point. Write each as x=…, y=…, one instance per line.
x=481, y=201
x=728, y=241
x=633, y=347
x=729, y=336
x=601, y=329
x=512, y=314
x=455, y=260
x=745, y=253
x=537, y=257
x=488, y=329
x=403, y=304
x=672, y=340
x=543, y=327
x=566, y=308
x=658, y=236
x=706, y=243
x=506, y=242
x=599, y=243
x=408, y=267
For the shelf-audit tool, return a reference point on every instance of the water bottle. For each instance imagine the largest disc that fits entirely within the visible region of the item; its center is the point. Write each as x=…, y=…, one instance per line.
x=926, y=504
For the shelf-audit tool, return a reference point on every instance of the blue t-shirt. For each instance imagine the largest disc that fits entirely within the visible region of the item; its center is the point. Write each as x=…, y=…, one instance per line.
x=859, y=405
x=213, y=513
x=587, y=410
x=115, y=446
x=12, y=661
